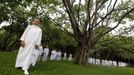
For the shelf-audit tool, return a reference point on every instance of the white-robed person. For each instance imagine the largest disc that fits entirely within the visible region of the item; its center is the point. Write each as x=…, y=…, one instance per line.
x=30, y=39
x=70, y=57
x=40, y=52
x=45, y=54
x=58, y=57
x=65, y=56
x=37, y=55
x=53, y=55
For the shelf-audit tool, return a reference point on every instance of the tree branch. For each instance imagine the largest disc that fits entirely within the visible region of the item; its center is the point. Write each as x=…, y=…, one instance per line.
x=73, y=21
x=87, y=21
x=104, y=1
x=106, y=15
x=78, y=12
x=100, y=35
x=61, y=27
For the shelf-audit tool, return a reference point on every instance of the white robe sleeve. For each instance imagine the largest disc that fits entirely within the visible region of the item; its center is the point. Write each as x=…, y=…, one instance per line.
x=39, y=38
x=24, y=33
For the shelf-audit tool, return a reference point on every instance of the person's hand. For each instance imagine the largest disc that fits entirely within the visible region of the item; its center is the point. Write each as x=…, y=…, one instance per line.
x=22, y=43
x=36, y=47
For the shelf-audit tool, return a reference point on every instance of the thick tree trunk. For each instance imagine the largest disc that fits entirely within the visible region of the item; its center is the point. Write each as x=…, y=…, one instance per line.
x=81, y=56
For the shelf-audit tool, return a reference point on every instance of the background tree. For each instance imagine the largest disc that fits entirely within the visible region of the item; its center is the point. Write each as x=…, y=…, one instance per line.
x=115, y=48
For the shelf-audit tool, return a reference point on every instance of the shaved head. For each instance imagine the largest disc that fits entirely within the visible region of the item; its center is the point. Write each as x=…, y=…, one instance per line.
x=36, y=21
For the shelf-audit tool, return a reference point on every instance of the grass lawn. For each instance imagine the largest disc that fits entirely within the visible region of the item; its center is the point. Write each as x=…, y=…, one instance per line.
x=7, y=60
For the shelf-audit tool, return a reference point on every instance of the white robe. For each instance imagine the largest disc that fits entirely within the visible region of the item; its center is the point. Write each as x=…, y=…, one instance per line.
x=70, y=57
x=65, y=56
x=45, y=54
x=58, y=57
x=40, y=53
x=40, y=50
x=35, y=56
x=31, y=36
x=53, y=55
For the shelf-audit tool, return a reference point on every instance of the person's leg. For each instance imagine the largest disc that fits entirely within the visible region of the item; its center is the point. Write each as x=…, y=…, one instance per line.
x=25, y=69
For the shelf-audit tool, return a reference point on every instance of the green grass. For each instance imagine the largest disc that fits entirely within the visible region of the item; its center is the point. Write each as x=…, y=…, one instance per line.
x=7, y=61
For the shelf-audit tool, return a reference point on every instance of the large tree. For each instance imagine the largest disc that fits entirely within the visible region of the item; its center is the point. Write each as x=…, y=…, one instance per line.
x=91, y=20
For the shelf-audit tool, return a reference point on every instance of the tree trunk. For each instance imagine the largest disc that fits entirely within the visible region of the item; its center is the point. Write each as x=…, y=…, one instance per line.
x=82, y=53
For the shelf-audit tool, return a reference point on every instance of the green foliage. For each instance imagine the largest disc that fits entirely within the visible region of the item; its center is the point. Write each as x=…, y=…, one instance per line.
x=55, y=38
x=18, y=13
x=116, y=48
x=121, y=9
